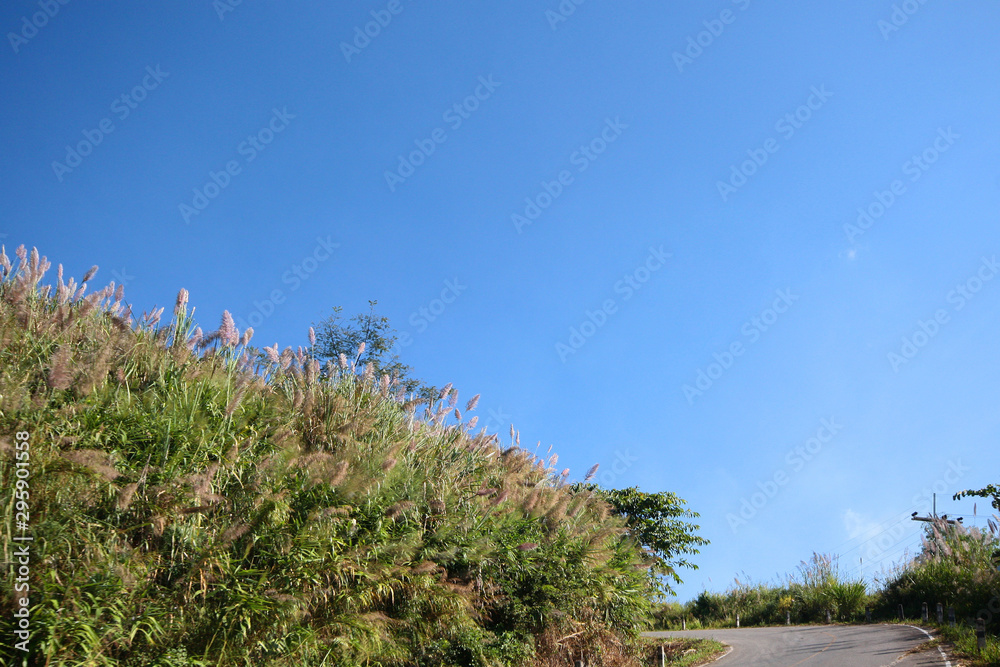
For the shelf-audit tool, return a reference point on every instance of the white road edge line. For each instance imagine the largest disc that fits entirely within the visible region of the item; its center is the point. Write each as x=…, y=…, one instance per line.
x=944, y=657
x=729, y=649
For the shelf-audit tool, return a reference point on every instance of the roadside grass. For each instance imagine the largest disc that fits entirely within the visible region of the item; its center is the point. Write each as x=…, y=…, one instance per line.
x=963, y=639
x=684, y=651
x=804, y=598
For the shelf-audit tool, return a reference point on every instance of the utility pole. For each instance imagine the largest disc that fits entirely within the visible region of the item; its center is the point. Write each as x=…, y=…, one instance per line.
x=934, y=517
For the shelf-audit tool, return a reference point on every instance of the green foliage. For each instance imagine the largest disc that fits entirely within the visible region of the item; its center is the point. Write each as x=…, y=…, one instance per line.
x=709, y=608
x=657, y=522
x=818, y=588
x=684, y=652
x=991, y=491
x=336, y=336
x=848, y=598
x=671, y=616
x=196, y=501
x=955, y=567
x=963, y=638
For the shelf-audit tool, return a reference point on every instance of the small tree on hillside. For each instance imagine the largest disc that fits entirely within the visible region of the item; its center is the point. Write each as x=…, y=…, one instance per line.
x=337, y=336
x=657, y=522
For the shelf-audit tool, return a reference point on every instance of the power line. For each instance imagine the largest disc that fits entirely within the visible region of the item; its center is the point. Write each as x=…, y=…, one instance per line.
x=892, y=521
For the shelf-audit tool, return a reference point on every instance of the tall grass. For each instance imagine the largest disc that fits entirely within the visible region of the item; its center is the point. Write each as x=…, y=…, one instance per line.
x=802, y=598
x=957, y=567
x=199, y=501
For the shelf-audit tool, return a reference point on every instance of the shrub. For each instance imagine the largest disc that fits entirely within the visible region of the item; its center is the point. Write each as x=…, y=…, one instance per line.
x=848, y=598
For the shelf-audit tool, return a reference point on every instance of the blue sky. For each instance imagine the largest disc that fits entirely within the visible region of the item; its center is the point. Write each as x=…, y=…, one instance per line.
x=579, y=211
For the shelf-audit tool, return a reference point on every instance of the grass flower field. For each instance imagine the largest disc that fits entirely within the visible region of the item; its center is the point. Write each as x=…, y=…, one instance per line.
x=197, y=501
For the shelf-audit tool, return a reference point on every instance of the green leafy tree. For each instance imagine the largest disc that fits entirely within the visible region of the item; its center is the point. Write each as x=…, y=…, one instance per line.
x=336, y=336
x=658, y=522
x=992, y=492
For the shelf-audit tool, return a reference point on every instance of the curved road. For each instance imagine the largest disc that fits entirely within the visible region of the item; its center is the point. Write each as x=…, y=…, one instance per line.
x=820, y=646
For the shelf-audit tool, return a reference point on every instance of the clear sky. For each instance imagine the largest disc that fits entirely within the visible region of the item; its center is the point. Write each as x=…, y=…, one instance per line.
x=721, y=248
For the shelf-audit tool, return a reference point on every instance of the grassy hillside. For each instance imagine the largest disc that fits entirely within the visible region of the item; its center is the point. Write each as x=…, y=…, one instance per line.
x=196, y=501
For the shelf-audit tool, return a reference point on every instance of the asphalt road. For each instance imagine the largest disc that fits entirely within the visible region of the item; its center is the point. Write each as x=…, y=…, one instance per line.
x=819, y=646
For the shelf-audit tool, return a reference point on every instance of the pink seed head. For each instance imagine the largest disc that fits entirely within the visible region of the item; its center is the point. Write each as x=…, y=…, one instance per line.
x=182, y=299
x=228, y=333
